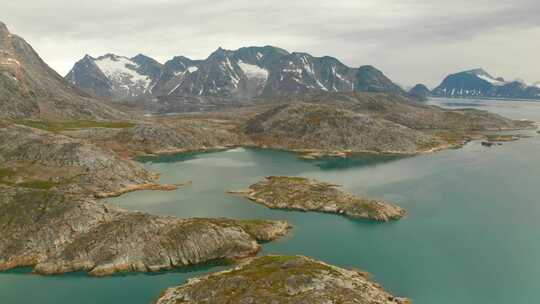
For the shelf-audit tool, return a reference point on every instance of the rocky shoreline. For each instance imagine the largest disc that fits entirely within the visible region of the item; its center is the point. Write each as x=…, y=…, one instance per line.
x=54, y=233
x=302, y=194
x=281, y=279
x=51, y=221
x=141, y=187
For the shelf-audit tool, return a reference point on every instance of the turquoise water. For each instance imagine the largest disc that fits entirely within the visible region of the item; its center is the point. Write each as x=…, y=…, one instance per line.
x=471, y=235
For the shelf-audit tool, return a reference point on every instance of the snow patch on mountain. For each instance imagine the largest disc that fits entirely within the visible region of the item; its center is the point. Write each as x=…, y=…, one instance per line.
x=174, y=89
x=491, y=80
x=253, y=71
x=122, y=71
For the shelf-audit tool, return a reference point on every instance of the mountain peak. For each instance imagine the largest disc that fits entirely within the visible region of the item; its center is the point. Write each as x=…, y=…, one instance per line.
x=143, y=59
x=420, y=92
x=109, y=56
x=141, y=56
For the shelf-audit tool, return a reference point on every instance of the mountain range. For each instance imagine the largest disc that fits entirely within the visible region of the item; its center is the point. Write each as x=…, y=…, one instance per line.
x=479, y=83
x=244, y=73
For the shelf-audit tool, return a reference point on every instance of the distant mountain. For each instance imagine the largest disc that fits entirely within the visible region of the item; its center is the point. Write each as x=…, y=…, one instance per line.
x=243, y=73
x=420, y=92
x=479, y=83
x=29, y=88
x=116, y=76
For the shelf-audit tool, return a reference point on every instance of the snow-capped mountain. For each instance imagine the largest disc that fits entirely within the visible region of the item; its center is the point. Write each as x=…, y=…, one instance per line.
x=479, y=83
x=116, y=76
x=243, y=73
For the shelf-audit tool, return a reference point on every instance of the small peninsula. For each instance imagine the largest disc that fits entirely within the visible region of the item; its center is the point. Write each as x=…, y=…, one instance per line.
x=56, y=233
x=298, y=193
x=281, y=279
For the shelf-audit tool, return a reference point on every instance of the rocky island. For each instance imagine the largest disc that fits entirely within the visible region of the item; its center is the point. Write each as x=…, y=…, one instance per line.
x=298, y=193
x=281, y=279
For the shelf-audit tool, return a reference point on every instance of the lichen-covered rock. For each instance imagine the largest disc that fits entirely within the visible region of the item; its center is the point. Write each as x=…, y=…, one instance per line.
x=284, y=280
x=55, y=234
x=298, y=193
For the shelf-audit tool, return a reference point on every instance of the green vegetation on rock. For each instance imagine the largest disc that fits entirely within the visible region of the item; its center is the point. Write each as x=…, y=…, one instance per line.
x=281, y=279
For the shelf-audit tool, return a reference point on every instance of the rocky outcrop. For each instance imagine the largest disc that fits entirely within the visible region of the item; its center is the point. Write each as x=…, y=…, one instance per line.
x=55, y=233
x=298, y=193
x=281, y=279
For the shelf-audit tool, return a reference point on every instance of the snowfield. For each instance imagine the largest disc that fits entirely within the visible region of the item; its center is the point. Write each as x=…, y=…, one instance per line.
x=253, y=71
x=122, y=71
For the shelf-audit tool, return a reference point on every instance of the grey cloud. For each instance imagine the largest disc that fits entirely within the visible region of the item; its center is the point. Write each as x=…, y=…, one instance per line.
x=358, y=32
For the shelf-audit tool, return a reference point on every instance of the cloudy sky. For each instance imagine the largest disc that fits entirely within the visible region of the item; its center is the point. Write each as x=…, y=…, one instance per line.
x=410, y=40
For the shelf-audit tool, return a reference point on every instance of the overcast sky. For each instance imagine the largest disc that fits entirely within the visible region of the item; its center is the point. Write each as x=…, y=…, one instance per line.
x=410, y=40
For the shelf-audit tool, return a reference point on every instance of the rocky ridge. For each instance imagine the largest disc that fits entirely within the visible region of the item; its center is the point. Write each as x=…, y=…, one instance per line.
x=229, y=75
x=281, y=279
x=298, y=193
x=30, y=88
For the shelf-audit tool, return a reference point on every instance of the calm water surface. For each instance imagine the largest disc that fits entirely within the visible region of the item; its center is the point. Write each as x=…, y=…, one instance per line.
x=471, y=236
